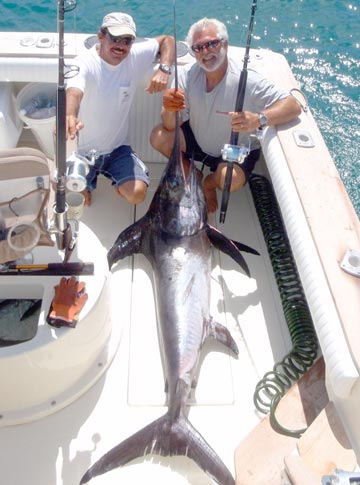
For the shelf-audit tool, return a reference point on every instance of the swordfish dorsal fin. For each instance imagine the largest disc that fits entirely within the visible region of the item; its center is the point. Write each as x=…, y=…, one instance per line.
x=166, y=438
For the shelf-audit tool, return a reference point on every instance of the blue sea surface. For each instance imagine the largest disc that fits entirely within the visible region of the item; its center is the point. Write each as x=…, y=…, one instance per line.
x=320, y=40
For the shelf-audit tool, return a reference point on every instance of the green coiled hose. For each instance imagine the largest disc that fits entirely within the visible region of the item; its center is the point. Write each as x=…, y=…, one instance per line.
x=272, y=387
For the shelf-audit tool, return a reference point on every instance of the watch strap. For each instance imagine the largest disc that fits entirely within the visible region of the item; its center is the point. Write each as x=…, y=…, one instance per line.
x=263, y=120
x=165, y=68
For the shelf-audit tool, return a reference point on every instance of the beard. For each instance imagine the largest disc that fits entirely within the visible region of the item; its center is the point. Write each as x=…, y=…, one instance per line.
x=211, y=62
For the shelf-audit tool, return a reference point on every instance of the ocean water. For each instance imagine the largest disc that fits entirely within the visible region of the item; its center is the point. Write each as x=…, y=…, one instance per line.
x=320, y=39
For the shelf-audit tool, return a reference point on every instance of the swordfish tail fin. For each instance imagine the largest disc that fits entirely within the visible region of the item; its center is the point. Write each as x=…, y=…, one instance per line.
x=164, y=438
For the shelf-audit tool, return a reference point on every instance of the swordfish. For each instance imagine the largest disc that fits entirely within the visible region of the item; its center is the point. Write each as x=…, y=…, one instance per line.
x=177, y=239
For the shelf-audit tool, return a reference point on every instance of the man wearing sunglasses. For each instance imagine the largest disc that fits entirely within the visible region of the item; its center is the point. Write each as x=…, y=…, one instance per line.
x=207, y=98
x=98, y=100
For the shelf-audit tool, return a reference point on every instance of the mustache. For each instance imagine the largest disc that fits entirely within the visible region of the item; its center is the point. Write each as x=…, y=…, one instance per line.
x=215, y=58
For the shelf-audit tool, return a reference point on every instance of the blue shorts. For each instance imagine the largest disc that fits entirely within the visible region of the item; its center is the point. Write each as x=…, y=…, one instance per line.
x=193, y=151
x=120, y=166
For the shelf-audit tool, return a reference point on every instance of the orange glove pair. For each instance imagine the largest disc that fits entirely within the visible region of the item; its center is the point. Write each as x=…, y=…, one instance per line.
x=174, y=100
x=69, y=299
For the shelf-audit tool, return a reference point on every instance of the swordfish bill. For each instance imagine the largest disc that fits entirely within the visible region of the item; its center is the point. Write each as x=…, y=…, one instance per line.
x=177, y=240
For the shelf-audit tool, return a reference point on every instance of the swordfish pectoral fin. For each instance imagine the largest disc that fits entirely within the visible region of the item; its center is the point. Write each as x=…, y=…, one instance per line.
x=128, y=242
x=245, y=248
x=220, y=333
x=227, y=246
x=165, y=438
x=239, y=245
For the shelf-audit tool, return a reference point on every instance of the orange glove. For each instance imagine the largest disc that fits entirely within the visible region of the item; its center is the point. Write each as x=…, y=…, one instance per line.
x=69, y=299
x=174, y=100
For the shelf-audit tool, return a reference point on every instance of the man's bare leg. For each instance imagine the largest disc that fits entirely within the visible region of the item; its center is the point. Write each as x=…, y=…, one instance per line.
x=216, y=180
x=87, y=195
x=163, y=140
x=210, y=187
x=133, y=191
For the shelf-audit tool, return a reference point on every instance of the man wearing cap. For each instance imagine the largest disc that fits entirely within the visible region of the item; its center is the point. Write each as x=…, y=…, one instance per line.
x=99, y=96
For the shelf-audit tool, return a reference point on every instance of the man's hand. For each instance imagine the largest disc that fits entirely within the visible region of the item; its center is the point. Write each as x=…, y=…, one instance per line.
x=73, y=100
x=73, y=125
x=158, y=82
x=70, y=297
x=174, y=100
x=245, y=121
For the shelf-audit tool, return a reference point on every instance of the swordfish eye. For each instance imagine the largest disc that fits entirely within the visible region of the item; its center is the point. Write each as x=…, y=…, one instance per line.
x=173, y=183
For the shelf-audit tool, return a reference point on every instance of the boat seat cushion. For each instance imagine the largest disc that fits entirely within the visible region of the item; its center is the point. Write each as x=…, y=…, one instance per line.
x=24, y=204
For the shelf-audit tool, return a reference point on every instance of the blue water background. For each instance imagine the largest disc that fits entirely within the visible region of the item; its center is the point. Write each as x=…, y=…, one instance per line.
x=321, y=40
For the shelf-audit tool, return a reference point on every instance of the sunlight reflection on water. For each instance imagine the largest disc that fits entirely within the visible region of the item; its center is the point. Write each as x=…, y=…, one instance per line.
x=319, y=39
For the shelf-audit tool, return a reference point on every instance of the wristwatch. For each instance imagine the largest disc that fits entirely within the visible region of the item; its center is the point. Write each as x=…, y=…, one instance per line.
x=165, y=68
x=263, y=120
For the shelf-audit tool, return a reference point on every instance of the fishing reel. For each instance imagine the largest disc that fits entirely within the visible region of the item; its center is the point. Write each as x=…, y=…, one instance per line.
x=77, y=168
x=235, y=153
x=231, y=154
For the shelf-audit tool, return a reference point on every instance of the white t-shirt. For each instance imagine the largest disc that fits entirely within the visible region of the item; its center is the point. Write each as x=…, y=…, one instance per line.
x=211, y=129
x=108, y=93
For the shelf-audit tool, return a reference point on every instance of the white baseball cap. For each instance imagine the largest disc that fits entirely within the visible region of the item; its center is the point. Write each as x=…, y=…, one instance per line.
x=119, y=23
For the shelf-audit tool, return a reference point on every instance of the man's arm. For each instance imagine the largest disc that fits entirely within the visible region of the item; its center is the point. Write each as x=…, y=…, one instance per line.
x=168, y=119
x=160, y=79
x=73, y=100
x=166, y=49
x=280, y=112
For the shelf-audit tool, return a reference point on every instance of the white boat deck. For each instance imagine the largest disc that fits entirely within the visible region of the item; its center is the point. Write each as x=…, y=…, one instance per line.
x=59, y=448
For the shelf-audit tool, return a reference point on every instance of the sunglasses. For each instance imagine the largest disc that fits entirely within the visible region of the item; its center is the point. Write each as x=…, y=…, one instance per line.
x=211, y=44
x=120, y=39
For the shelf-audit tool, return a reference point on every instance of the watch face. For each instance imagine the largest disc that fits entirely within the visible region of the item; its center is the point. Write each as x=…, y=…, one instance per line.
x=263, y=119
x=165, y=68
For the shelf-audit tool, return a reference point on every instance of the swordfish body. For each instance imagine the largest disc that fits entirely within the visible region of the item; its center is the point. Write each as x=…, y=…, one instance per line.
x=176, y=238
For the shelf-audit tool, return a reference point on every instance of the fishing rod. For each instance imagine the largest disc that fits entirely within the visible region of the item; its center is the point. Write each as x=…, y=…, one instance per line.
x=175, y=39
x=63, y=228
x=177, y=114
x=232, y=152
x=47, y=269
